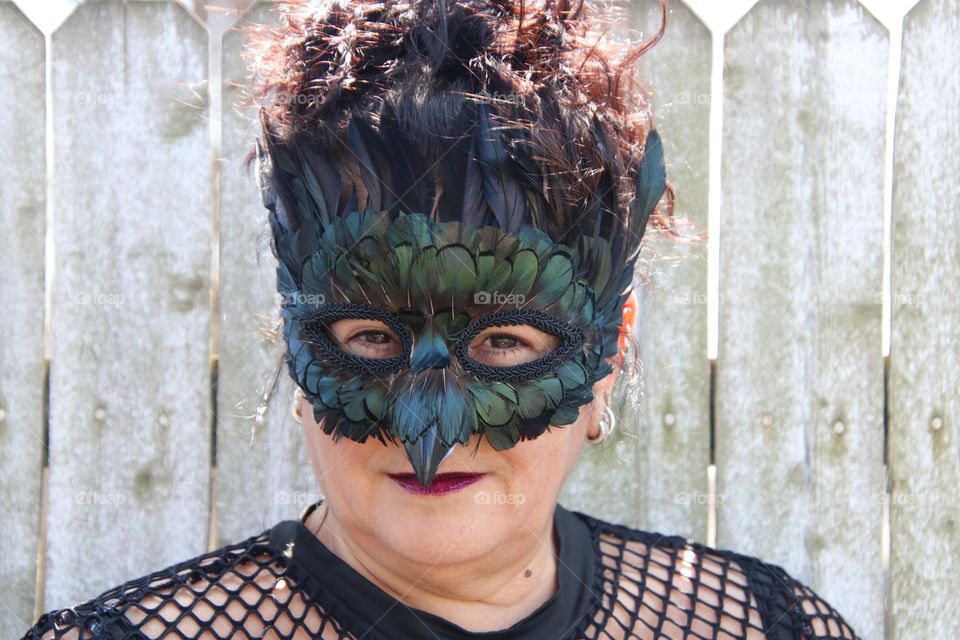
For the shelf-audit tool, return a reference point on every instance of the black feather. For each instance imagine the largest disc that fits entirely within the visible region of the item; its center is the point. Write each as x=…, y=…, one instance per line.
x=321, y=182
x=374, y=159
x=651, y=185
x=411, y=182
x=461, y=198
x=500, y=185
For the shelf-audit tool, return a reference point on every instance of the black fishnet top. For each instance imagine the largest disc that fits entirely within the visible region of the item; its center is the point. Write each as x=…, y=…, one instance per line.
x=614, y=583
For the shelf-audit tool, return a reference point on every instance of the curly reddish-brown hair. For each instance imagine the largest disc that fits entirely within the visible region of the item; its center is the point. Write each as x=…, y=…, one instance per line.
x=549, y=67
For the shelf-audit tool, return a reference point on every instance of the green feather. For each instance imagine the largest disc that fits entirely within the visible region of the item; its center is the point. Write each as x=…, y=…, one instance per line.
x=423, y=275
x=566, y=414
x=572, y=374
x=556, y=278
x=551, y=387
x=491, y=408
x=375, y=403
x=486, y=263
x=501, y=438
x=497, y=279
x=456, y=272
x=450, y=324
x=526, y=266
x=401, y=261
x=531, y=400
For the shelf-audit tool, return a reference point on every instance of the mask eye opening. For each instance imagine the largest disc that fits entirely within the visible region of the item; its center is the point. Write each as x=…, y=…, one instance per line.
x=570, y=335
x=313, y=327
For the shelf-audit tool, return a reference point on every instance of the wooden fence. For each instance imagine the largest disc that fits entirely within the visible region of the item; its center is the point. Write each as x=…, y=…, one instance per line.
x=825, y=169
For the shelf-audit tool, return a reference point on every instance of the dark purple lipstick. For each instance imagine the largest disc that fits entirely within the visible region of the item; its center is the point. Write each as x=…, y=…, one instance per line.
x=442, y=483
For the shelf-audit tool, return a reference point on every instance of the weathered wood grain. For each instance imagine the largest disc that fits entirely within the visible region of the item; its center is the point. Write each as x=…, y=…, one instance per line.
x=263, y=471
x=799, y=398
x=130, y=381
x=924, y=387
x=23, y=182
x=655, y=476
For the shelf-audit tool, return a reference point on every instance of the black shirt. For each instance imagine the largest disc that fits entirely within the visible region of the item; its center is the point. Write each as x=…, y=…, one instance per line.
x=614, y=582
x=369, y=607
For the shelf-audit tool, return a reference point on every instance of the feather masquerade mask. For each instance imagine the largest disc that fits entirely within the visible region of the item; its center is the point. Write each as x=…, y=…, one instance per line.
x=435, y=284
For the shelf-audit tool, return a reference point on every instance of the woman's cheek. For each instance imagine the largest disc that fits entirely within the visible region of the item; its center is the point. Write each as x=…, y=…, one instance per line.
x=537, y=469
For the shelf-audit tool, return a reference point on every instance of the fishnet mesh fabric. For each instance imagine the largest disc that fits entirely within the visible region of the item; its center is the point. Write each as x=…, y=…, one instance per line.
x=651, y=586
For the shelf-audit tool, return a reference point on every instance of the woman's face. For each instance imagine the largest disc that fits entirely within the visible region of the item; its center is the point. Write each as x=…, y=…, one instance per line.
x=514, y=501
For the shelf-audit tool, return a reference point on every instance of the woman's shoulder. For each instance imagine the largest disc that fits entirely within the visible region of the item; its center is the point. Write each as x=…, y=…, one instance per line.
x=723, y=589
x=214, y=590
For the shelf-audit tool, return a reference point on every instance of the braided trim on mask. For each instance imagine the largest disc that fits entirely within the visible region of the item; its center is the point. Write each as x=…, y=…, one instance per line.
x=570, y=334
x=312, y=324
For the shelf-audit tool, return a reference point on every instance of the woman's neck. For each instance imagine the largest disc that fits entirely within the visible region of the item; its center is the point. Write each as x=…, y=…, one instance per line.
x=487, y=594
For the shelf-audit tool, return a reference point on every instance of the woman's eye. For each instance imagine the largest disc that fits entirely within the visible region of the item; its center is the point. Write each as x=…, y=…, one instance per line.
x=505, y=349
x=374, y=344
x=365, y=339
x=376, y=337
x=503, y=342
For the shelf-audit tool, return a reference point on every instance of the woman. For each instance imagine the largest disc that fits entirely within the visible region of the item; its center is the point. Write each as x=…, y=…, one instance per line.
x=456, y=193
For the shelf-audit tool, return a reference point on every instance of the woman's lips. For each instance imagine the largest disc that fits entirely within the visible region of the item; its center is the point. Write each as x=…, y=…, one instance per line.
x=442, y=482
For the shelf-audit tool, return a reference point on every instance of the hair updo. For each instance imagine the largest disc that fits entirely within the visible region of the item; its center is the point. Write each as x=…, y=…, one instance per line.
x=544, y=66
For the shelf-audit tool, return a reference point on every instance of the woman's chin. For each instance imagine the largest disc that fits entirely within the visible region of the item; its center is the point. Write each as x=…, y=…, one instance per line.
x=455, y=526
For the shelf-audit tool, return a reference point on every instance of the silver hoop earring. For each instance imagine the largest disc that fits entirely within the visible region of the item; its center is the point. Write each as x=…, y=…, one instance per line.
x=295, y=409
x=606, y=424
x=611, y=421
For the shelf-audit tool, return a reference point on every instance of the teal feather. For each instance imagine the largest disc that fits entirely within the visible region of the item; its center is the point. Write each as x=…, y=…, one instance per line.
x=552, y=387
x=374, y=404
x=407, y=415
x=450, y=413
x=532, y=400
x=493, y=403
x=461, y=192
x=286, y=285
x=426, y=454
x=565, y=414
x=572, y=374
x=411, y=175
x=431, y=351
x=313, y=193
x=327, y=388
x=486, y=263
x=555, y=279
x=350, y=397
x=305, y=242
